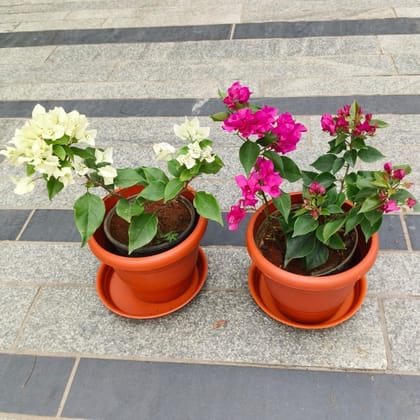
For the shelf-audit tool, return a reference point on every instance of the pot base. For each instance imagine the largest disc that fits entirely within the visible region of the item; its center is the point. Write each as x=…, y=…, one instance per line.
x=265, y=301
x=118, y=298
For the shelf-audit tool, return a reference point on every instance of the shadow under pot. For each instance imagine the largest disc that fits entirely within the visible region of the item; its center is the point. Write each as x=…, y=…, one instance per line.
x=177, y=218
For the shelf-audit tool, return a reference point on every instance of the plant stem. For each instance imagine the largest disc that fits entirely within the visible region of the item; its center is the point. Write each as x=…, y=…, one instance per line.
x=107, y=189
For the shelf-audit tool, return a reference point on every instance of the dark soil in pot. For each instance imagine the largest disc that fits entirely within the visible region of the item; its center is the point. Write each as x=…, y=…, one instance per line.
x=272, y=244
x=176, y=216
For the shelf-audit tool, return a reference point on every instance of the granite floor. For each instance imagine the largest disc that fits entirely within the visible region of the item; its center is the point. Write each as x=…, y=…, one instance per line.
x=136, y=68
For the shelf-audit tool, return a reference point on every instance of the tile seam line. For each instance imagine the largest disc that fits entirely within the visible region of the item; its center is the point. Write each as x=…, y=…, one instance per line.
x=206, y=362
x=68, y=387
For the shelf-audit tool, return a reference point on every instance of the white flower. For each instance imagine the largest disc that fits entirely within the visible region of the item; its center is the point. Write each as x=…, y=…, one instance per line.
x=104, y=156
x=79, y=166
x=23, y=185
x=186, y=160
x=49, y=166
x=108, y=173
x=194, y=150
x=206, y=154
x=191, y=130
x=164, y=151
x=66, y=176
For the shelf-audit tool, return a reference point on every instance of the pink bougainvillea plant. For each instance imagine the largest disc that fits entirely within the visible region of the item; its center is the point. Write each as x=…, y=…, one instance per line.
x=321, y=221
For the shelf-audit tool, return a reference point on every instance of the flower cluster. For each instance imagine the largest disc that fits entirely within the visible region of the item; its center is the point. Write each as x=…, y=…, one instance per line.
x=265, y=133
x=45, y=146
x=392, y=180
x=262, y=178
x=323, y=219
x=198, y=149
x=361, y=124
x=57, y=147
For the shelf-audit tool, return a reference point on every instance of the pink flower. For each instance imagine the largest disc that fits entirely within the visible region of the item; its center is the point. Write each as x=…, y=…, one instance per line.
x=328, y=124
x=389, y=206
x=365, y=127
x=399, y=174
x=235, y=216
x=269, y=179
x=237, y=95
x=249, y=187
x=289, y=132
x=388, y=167
x=240, y=121
x=316, y=188
x=264, y=119
x=411, y=202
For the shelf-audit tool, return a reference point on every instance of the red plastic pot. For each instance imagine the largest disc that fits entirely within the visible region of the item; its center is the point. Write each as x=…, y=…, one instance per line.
x=308, y=299
x=157, y=278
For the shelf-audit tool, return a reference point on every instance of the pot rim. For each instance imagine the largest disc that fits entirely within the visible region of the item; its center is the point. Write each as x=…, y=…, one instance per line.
x=302, y=281
x=153, y=261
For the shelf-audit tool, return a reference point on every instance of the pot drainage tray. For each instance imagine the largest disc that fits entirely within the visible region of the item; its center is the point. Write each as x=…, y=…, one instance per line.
x=118, y=298
x=265, y=301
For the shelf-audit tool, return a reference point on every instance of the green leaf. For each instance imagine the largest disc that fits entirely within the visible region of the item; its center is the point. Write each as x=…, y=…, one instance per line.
x=379, y=123
x=334, y=209
x=30, y=170
x=304, y=224
x=325, y=179
x=127, y=209
x=142, y=230
x=353, y=219
x=353, y=110
x=172, y=189
x=317, y=257
x=220, y=116
x=87, y=153
x=128, y=177
x=174, y=168
x=212, y=167
x=370, y=154
x=358, y=143
x=207, y=206
x=284, y=166
x=336, y=242
x=154, y=174
x=350, y=157
x=89, y=212
x=308, y=177
x=248, y=154
x=283, y=204
x=54, y=186
x=337, y=165
x=368, y=229
x=369, y=204
x=331, y=228
x=298, y=247
x=325, y=162
x=373, y=216
x=59, y=151
x=155, y=191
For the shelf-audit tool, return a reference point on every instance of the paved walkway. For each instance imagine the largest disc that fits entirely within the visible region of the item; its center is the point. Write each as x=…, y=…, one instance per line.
x=136, y=68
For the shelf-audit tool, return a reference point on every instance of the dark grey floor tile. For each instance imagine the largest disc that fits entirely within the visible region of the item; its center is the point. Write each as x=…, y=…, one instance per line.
x=314, y=105
x=33, y=384
x=51, y=225
x=218, y=235
x=11, y=222
x=413, y=226
x=391, y=235
x=109, y=389
x=327, y=28
x=116, y=35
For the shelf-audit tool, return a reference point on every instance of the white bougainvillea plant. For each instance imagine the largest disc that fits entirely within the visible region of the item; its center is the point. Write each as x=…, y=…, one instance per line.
x=266, y=136
x=58, y=148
